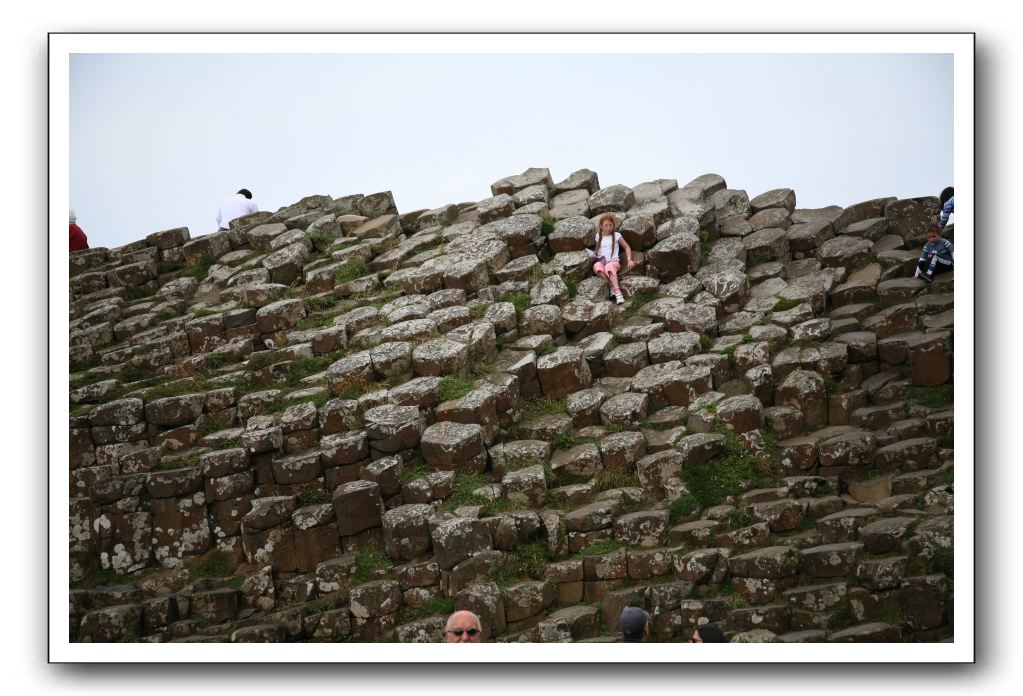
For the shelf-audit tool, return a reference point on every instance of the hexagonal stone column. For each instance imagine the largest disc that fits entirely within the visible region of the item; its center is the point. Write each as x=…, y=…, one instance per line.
x=451, y=446
x=562, y=372
x=440, y=356
x=358, y=506
x=393, y=428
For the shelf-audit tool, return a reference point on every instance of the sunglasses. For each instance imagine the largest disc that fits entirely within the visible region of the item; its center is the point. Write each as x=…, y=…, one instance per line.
x=459, y=631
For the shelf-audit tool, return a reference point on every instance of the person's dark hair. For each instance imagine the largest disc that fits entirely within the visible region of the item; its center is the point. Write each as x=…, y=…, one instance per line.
x=711, y=634
x=945, y=195
x=933, y=227
x=245, y=192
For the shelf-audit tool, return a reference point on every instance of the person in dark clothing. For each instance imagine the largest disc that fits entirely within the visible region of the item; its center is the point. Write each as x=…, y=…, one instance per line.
x=708, y=633
x=78, y=239
x=947, y=200
x=634, y=625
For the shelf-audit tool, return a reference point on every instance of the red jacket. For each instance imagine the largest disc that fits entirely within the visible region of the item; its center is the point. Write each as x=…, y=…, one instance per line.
x=78, y=238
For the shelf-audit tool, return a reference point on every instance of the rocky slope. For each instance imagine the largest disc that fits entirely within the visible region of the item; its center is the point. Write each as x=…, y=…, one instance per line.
x=338, y=423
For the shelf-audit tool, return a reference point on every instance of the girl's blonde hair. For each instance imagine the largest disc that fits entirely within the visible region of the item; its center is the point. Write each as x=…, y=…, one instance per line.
x=607, y=216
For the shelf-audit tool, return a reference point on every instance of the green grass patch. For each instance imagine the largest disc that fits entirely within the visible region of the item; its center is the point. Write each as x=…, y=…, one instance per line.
x=438, y=606
x=478, y=310
x=511, y=465
x=368, y=562
x=545, y=349
x=313, y=497
x=521, y=300
x=455, y=387
x=91, y=378
x=641, y=299
x=712, y=481
x=320, y=605
x=598, y=548
x=738, y=518
x=784, y=304
x=390, y=296
x=542, y=406
x=704, y=247
x=462, y=491
x=214, y=361
x=200, y=313
x=410, y=474
x=547, y=226
x=164, y=316
x=137, y=293
x=315, y=321
x=318, y=303
x=201, y=269
x=135, y=374
x=563, y=441
x=573, y=287
x=682, y=507
x=705, y=343
x=303, y=367
x=216, y=564
x=606, y=479
x=528, y=561
x=165, y=266
x=931, y=397
x=842, y=616
x=257, y=361
x=343, y=243
x=833, y=386
x=351, y=392
x=320, y=240
x=350, y=270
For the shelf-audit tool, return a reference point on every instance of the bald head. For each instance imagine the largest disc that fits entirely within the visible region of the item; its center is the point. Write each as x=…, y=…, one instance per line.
x=463, y=627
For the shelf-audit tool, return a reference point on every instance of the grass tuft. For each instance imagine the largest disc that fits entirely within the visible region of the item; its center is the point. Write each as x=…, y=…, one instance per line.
x=606, y=479
x=784, y=304
x=313, y=497
x=528, y=561
x=201, y=269
x=521, y=300
x=682, y=507
x=350, y=270
x=455, y=387
x=931, y=397
x=542, y=406
x=600, y=547
x=367, y=562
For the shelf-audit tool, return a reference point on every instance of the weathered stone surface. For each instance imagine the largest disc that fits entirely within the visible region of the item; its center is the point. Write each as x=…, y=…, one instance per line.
x=357, y=506
x=407, y=531
x=770, y=562
x=454, y=447
x=458, y=539
x=563, y=372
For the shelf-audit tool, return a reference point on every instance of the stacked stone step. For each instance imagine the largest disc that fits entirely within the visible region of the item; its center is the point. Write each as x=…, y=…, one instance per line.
x=761, y=309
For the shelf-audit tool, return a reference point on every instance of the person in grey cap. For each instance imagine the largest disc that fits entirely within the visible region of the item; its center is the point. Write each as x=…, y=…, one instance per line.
x=634, y=625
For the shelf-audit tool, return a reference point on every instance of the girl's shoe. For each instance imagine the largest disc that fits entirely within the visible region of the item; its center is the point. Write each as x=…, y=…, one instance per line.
x=619, y=299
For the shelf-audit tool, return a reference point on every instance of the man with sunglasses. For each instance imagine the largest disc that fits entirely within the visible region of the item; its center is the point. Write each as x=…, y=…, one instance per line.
x=463, y=627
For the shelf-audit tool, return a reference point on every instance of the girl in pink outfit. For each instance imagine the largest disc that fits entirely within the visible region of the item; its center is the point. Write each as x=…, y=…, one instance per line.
x=605, y=250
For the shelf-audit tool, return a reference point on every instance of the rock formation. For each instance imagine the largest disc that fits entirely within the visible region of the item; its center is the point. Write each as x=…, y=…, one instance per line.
x=336, y=422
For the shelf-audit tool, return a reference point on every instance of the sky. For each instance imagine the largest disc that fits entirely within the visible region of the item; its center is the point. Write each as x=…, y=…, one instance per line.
x=157, y=141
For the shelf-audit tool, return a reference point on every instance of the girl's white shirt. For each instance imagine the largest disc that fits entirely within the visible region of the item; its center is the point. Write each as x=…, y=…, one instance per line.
x=608, y=246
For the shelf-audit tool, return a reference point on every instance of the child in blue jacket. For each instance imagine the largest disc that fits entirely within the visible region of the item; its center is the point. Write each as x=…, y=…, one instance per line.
x=936, y=257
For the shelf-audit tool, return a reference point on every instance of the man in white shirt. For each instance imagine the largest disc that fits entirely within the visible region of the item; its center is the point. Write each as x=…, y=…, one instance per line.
x=234, y=207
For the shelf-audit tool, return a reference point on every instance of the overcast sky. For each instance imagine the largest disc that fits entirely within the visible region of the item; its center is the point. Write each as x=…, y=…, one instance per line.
x=157, y=141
